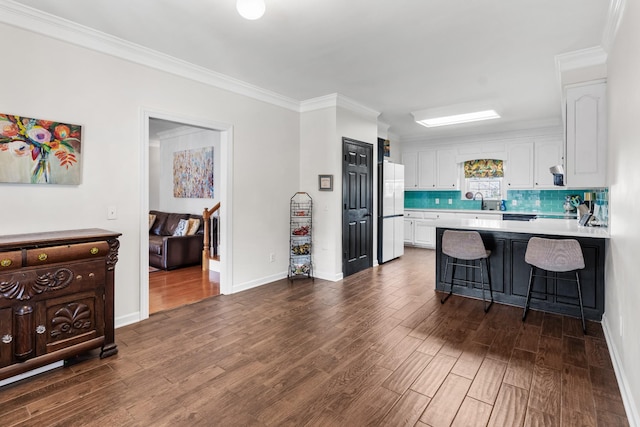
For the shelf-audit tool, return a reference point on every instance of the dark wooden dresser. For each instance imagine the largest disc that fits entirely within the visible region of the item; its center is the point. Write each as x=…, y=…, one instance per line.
x=56, y=297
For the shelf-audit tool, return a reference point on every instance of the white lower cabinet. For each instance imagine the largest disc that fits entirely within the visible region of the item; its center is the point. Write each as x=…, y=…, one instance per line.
x=425, y=233
x=408, y=231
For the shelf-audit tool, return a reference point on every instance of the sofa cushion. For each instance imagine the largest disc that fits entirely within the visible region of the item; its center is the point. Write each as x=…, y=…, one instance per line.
x=170, y=225
x=152, y=219
x=158, y=224
x=194, y=225
x=181, y=229
x=155, y=244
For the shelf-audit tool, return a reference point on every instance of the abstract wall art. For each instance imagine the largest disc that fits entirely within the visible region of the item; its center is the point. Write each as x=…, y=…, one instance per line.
x=193, y=173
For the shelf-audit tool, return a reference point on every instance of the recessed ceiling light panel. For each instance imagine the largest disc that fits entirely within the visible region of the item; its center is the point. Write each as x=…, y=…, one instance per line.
x=455, y=119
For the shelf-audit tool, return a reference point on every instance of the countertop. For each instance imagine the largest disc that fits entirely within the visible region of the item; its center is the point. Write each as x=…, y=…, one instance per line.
x=546, y=226
x=560, y=215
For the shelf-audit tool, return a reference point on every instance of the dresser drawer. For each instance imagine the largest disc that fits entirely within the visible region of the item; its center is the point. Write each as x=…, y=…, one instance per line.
x=10, y=260
x=53, y=254
x=51, y=280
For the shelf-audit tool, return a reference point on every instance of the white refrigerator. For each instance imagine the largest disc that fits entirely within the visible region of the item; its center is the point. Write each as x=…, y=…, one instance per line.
x=391, y=222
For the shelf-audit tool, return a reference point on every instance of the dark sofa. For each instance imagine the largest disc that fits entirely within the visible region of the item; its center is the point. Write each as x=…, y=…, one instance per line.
x=167, y=251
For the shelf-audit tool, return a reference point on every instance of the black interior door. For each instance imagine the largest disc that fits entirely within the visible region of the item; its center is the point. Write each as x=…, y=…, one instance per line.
x=357, y=199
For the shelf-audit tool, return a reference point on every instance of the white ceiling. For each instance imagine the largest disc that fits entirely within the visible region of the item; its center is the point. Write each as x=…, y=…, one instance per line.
x=394, y=57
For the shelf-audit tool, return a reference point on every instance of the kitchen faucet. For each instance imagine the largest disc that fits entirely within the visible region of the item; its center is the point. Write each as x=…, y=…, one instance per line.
x=481, y=199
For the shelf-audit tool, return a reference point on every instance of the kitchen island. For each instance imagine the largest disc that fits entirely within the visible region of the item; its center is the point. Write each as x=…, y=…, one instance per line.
x=508, y=240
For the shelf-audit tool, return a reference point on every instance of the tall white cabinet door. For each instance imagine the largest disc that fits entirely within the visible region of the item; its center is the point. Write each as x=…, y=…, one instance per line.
x=398, y=236
x=410, y=162
x=586, y=136
x=547, y=154
x=427, y=169
x=518, y=169
x=447, y=169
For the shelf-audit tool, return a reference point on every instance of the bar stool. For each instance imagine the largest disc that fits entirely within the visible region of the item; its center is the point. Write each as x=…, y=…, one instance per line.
x=468, y=246
x=555, y=255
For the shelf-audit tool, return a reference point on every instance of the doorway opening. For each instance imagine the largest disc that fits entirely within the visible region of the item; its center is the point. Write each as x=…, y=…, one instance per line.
x=202, y=283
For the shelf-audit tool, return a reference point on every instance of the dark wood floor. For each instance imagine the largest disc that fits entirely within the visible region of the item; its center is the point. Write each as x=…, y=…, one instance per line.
x=174, y=288
x=377, y=348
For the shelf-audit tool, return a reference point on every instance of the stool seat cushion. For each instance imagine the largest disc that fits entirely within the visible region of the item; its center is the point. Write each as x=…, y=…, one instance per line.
x=465, y=245
x=554, y=254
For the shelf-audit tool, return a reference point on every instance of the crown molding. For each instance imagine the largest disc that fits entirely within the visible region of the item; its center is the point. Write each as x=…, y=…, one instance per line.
x=583, y=58
x=335, y=100
x=33, y=20
x=614, y=18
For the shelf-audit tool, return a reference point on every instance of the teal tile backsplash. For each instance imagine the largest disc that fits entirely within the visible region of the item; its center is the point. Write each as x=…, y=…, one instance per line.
x=545, y=201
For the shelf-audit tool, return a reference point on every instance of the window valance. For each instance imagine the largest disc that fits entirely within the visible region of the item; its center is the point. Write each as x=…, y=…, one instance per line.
x=483, y=168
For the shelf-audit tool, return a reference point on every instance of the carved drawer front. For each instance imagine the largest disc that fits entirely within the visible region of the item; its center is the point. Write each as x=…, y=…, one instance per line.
x=68, y=321
x=6, y=337
x=10, y=260
x=54, y=280
x=53, y=254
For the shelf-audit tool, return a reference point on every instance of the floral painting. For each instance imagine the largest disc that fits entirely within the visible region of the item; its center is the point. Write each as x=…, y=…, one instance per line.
x=193, y=173
x=36, y=151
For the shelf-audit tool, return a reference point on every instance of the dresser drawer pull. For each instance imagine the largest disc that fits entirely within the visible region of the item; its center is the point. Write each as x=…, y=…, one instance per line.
x=94, y=250
x=5, y=262
x=42, y=257
x=40, y=329
x=92, y=275
x=6, y=339
x=79, y=277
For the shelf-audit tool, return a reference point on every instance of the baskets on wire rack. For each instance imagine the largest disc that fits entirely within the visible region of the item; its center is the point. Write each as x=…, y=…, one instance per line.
x=300, y=236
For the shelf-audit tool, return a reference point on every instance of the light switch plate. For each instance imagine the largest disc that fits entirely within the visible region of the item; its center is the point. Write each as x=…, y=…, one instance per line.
x=112, y=212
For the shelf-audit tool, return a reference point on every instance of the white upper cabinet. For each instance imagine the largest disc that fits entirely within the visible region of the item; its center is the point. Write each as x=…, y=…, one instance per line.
x=518, y=170
x=427, y=169
x=410, y=162
x=586, y=136
x=447, y=169
x=547, y=154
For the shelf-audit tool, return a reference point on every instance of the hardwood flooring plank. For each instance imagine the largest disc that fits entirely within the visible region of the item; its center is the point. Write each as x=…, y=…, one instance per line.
x=597, y=352
x=445, y=404
x=529, y=338
x=407, y=410
x=520, y=369
x=573, y=351
x=552, y=325
x=535, y=418
x=472, y=413
x=549, y=352
x=487, y=382
x=510, y=407
x=470, y=360
x=576, y=392
x=433, y=375
x=545, y=390
x=402, y=378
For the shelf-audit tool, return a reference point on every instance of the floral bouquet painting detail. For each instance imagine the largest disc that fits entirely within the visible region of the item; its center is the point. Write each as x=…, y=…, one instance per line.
x=39, y=151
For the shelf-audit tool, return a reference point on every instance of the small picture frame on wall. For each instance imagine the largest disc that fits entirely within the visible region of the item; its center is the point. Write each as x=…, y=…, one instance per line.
x=325, y=182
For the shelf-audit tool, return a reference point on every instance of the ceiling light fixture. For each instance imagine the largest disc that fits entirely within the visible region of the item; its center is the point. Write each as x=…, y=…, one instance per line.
x=251, y=9
x=457, y=118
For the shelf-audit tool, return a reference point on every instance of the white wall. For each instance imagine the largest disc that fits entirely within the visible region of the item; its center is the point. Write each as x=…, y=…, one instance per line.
x=180, y=140
x=622, y=298
x=106, y=95
x=321, y=133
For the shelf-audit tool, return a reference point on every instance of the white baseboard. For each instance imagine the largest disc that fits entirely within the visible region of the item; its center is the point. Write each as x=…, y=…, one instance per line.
x=627, y=397
x=332, y=277
x=259, y=282
x=127, y=320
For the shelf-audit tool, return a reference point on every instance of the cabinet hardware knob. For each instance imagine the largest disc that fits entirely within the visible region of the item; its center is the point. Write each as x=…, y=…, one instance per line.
x=5, y=262
x=42, y=257
x=94, y=250
x=79, y=277
x=92, y=275
x=40, y=329
x=6, y=339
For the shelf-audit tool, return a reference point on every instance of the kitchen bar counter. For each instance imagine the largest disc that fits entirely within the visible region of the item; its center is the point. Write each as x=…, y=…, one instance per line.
x=507, y=241
x=540, y=226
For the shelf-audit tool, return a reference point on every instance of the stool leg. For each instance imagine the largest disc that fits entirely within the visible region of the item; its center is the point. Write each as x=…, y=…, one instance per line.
x=584, y=327
x=486, y=262
x=444, y=280
x=526, y=304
